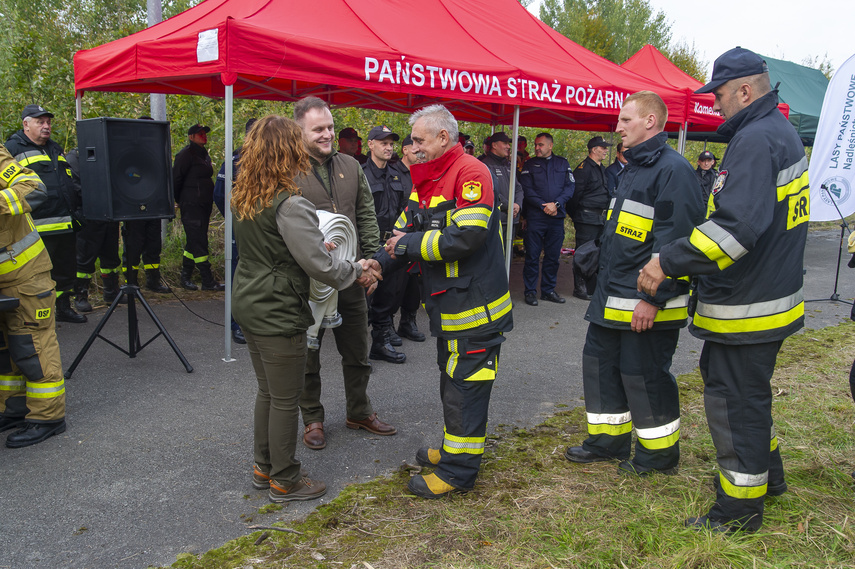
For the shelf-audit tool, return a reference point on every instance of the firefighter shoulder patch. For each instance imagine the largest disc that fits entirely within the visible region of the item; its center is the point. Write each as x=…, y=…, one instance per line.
x=471, y=191
x=719, y=182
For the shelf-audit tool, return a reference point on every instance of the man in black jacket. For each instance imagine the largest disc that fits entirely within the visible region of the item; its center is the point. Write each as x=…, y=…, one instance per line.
x=498, y=162
x=33, y=148
x=588, y=207
x=632, y=336
x=614, y=169
x=390, y=198
x=706, y=173
x=192, y=175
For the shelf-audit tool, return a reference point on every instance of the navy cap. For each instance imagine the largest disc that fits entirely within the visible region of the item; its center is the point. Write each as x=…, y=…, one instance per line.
x=382, y=132
x=733, y=64
x=707, y=155
x=468, y=144
x=349, y=133
x=35, y=111
x=598, y=141
x=408, y=141
x=198, y=128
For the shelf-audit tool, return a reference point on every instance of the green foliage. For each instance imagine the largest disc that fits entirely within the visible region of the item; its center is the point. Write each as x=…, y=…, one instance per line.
x=821, y=63
x=614, y=29
x=686, y=57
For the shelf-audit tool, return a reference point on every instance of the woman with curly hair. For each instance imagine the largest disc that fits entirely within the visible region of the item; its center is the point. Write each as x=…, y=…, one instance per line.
x=280, y=249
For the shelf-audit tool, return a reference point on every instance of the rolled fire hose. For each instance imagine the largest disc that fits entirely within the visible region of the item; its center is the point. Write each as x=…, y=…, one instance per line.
x=323, y=299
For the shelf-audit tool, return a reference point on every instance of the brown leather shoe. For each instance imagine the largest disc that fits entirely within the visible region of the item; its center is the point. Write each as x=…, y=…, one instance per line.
x=313, y=437
x=373, y=425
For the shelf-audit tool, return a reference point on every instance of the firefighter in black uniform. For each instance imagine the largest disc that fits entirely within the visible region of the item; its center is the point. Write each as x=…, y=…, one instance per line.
x=192, y=175
x=33, y=148
x=632, y=335
x=749, y=255
x=390, y=199
x=706, y=173
x=498, y=161
x=588, y=207
x=96, y=240
x=452, y=227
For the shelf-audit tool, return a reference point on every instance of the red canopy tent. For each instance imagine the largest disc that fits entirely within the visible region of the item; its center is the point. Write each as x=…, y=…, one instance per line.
x=487, y=60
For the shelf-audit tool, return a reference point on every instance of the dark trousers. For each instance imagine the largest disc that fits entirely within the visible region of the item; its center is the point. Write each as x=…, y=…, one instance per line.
x=585, y=233
x=98, y=240
x=738, y=403
x=467, y=371
x=386, y=299
x=545, y=235
x=279, y=364
x=194, y=219
x=628, y=382
x=412, y=297
x=142, y=241
x=351, y=340
x=62, y=249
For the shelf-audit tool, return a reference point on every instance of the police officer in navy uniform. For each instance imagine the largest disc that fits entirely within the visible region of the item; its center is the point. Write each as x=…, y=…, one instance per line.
x=588, y=207
x=749, y=258
x=547, y=182
x=390, y=199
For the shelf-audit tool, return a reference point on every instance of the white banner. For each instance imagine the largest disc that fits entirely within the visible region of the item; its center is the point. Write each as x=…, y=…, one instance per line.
x=832, y=162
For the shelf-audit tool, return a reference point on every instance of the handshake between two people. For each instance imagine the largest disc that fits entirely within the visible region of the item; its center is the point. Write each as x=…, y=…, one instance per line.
x=371, y=270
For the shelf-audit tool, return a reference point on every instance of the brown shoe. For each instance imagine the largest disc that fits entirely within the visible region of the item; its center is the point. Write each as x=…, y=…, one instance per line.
x=373, y=425
x=313, y=437
x=304, y=489
x=261, y=480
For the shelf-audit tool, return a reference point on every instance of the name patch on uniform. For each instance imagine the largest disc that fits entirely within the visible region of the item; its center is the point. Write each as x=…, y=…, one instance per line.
x=472, y=191
x=42, y=313
x=719, y=182
x=10, y=172
x=631, y=232
x=799, y=205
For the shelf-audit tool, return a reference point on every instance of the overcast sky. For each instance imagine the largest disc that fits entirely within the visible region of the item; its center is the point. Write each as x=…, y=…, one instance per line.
x=783, y=29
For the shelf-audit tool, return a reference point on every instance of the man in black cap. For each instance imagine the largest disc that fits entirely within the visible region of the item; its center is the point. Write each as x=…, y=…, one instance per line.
x=33, y=148
x=350, y=143
x=390, y=198
x=469, y=147
x=192, y=176
x=706, y=173
x=498, y=162
x=588, y=207
x=749, y=255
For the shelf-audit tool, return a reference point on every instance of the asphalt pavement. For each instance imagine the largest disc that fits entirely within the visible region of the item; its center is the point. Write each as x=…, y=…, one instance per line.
x=157, y=461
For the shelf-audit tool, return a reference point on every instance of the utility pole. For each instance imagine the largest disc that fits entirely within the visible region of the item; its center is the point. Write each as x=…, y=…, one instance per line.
x=158, y=100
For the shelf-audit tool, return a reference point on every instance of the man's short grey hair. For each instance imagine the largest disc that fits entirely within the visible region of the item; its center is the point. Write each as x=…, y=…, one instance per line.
x=437, y=118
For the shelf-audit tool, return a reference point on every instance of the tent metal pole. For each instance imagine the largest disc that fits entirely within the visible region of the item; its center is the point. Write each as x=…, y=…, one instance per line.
x=78, y=106
x=509, y=238
x=227, y=160
x=684, y=131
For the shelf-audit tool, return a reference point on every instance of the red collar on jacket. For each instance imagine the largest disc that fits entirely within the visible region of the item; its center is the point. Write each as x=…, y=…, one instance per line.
x=433, y=170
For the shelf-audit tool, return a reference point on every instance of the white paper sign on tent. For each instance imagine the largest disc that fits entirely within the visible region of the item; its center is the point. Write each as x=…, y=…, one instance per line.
x=207, y=48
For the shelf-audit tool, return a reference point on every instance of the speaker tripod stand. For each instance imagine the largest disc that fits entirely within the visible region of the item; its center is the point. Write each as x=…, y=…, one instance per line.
x=133, y=294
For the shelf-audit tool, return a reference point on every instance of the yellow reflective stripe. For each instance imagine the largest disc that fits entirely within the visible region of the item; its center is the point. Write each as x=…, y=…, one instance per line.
x=794, y=187
x=110, y=271
x=15, y=263
x=12, y=382
x=194, y=259
x=84, y=275
x=463, y=445
x=402, y=220
x=452, y=270
x=483, y=374
x=475, y=216
x=794, y=173
x=773, y=444
x=464, y=320
x=755, y=324
x=710, y=248
x=657, y=438
x=635, y=221
x=435, y=201
x=500, y=306
x=45, y=390
x=148, y=267
x=13, y=202
x=27, y=160
x=611, y=430
x=666, y=315
x=745, y=491
x=452, y=358
x=430, y=245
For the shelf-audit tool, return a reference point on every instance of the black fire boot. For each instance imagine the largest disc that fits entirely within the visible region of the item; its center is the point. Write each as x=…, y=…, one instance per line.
x=111, y=287
x=580, y=289
x=186, y=275
x=64, y=312
x=208, y=280
x=408, y=329
x=153, y=282
x=382, y=349
x=394, y=339
x=81, y=300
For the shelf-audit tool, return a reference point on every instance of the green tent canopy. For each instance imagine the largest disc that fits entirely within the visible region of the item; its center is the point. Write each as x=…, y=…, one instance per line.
x=803, y=88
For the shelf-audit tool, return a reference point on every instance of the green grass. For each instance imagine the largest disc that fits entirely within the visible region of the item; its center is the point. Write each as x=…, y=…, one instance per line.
x=531, y=508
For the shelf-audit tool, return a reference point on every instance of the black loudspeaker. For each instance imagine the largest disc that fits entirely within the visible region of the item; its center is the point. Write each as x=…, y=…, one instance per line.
x=125, y=169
